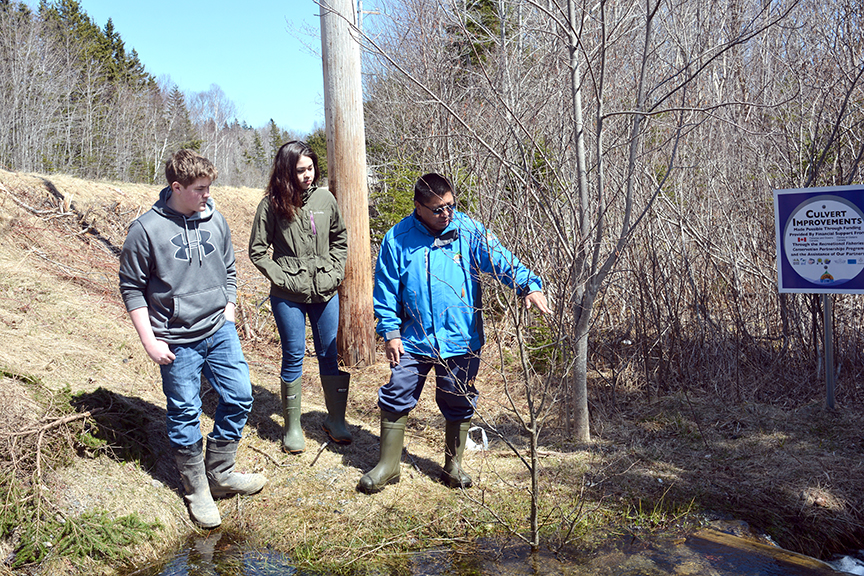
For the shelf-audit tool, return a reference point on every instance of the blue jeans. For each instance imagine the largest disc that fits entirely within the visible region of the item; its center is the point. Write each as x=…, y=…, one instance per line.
x=221, y=360
x=455, y=393
x=291, y=322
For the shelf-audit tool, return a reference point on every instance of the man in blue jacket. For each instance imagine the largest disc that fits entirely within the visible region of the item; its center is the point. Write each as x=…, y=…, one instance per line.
x=428, y=304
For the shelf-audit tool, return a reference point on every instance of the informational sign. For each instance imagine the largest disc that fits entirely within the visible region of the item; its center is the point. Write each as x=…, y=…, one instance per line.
x=820, y=239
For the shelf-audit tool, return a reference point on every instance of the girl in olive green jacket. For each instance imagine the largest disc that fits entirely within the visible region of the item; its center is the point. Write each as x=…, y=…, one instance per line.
x=302, y=224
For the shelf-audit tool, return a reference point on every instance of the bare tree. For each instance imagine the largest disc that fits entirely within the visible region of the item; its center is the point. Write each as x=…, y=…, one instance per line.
x=214, y=112
x=591, y=136
x=31, y=79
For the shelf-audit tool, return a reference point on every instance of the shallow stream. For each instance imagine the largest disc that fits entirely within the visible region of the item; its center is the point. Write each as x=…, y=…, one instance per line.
x=712, y=552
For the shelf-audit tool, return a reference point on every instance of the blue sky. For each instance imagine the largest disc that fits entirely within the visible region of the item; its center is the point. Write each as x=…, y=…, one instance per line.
x=258, y=51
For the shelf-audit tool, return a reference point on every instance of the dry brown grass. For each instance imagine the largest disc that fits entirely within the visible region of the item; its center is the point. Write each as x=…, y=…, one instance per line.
x=792, y=473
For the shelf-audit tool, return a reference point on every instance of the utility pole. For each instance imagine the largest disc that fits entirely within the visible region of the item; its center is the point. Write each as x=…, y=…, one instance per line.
x=360, y=14
x=346, y=165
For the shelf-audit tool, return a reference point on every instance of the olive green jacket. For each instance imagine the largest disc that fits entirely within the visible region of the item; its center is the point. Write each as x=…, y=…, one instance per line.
x=309, y=252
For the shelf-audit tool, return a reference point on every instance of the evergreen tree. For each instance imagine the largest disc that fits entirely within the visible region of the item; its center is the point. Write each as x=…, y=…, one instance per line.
x=20, y=7
x=136, y=73
x=318, y=142
x=277, y=137
x=114, y=53
x=256, y=157
x=182, y=132
x=482, y=29
x=77, y=30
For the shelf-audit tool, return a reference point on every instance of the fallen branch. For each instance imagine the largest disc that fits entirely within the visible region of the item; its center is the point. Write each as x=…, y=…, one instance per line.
x=40, y=432
x=25, y=206
x=55, y=423
x=268, y=456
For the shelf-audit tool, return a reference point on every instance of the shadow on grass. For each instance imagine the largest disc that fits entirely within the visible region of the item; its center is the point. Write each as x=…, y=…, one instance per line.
x=127, y=429
x=266, y=419
x=131, y=429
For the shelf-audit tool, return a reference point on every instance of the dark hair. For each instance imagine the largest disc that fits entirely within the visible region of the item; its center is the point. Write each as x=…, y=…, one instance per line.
x=185, y=166
x=284, y=190
x=429, y=186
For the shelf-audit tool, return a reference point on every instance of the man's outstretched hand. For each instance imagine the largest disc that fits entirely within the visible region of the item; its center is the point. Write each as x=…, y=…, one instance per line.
x=538, y=300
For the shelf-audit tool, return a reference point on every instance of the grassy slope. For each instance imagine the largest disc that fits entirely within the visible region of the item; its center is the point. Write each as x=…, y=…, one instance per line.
x=794, y=474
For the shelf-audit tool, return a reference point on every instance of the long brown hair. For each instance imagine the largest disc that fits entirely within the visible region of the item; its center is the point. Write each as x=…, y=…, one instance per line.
x=284, y=190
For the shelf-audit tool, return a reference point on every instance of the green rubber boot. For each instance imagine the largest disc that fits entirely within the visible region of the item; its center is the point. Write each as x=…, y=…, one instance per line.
x=224, y=481
x=292, y=435
x=387, y=471
x=455, y=435
x=190, y=463
x=336, y=398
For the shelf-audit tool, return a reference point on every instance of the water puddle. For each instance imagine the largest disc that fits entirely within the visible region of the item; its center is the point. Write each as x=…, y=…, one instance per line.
x=222, y=554
x=709, y=552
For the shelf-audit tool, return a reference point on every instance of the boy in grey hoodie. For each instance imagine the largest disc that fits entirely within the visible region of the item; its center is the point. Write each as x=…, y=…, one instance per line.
x=179, y=285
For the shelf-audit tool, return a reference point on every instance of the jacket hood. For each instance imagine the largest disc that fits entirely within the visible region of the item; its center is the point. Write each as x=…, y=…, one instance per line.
x=161, y=206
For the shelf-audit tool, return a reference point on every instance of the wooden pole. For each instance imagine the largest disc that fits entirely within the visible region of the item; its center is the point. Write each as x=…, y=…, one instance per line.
x=346, y=165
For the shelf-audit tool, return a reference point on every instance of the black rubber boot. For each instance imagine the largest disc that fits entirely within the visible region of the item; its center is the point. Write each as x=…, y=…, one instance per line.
x=388, y=469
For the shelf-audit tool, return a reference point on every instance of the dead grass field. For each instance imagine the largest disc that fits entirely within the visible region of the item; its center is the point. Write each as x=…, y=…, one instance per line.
x=794, y=473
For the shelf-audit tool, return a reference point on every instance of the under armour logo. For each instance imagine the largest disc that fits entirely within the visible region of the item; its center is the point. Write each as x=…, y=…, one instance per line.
x=184, y=249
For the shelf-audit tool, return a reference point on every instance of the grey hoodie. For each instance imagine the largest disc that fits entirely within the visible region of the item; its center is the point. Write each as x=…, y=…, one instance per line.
x=181, y=268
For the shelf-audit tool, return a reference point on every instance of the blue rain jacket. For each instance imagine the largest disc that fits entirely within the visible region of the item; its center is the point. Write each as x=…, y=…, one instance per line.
x=427, y=287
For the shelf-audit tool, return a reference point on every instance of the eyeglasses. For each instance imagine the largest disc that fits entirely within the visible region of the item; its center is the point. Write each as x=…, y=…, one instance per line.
x=441, y=209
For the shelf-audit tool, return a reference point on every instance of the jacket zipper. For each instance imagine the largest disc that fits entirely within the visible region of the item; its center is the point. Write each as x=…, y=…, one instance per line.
x=428, y=258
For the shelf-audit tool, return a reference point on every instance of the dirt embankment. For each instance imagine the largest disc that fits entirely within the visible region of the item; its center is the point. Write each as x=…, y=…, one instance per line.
x=72, y=368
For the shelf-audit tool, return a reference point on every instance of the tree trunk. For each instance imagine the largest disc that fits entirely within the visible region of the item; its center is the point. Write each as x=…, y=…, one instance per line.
x=581, y=426
x=579, y=406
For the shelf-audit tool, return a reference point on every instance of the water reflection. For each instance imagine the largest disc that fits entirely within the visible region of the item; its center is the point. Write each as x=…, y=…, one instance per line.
x=222, y=554
x=711, y=552
x=708, y=552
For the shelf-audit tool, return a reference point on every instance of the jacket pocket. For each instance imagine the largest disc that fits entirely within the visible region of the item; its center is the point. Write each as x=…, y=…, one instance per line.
x=194, y=308
x=327, y=278
x=297, y=279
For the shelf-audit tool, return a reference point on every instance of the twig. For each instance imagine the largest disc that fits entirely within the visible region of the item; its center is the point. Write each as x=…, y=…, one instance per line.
x=321, y=449
x=698, y=422
x=268, y=456
x=414, y=462
x=541, y=453
x=59, y=215
x=70, y=271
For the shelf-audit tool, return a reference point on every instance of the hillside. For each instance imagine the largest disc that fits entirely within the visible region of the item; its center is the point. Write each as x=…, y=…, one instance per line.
x=83, y=427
